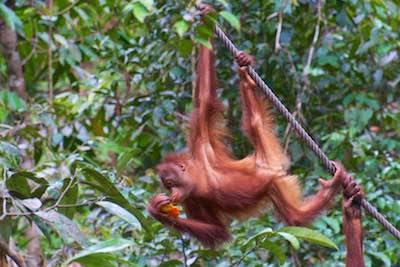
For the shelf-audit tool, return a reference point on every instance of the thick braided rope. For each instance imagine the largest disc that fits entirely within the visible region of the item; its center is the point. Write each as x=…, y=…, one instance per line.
x=302, y=133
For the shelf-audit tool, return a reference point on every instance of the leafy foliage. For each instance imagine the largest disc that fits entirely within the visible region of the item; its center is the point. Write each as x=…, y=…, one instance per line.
x=121, y=73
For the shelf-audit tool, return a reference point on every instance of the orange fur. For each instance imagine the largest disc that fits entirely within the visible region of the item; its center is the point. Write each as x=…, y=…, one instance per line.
x=213, y=186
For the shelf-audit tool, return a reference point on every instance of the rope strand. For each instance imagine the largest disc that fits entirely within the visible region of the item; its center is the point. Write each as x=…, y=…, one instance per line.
x=302, y=133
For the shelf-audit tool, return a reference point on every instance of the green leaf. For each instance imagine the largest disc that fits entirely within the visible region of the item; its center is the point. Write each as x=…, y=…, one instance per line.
x=120, y=212
x=148, y=4
x=70, y=197
x=101, y=183
x=267, y=232
x=14, y=102
x=204, y=31
x=140, y=11
x=6, y=226
x=328, y=60
x=274, y=249
x=204, y=42
x=333, y=222
x=309, y=235
x=291, y=238
x=203, y=34
x=18, y=185
x=10, y=18
x=10, y=149
x=67, y=229
x=358, y=117
x=32, y=203
x=381, y=256
x=128, y=8
x=184, y=46
x=231, y=19
x=61, y=39
x=96, y=260
x=181, y=27
x=100, y=254
x=98, y=122
x=11, y=101
x=3, y=113
x=6, y=14
x=379, y=3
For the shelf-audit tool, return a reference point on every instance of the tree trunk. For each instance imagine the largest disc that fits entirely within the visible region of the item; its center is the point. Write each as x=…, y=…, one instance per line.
x=9, y=46
x=34, y=257
x=16, y=80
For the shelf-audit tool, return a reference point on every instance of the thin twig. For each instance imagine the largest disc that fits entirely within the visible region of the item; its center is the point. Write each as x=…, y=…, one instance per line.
x=19, y=214
x=273, y=15
x=278, y=32
x=296, y=260
x=183, y=251
x=314, y=41
x=279, y=26
x=56, y=205
x=84, y=203
x=34, y=46
x=127, y=79
x=50, y=68
x=306, y=81
x=297, y=111
x=245, y=255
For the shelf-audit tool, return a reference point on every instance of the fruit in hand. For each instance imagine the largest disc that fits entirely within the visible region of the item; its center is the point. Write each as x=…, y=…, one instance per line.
x=171, y=210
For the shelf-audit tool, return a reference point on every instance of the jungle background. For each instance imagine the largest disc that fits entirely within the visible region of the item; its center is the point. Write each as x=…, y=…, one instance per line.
x=94, y=93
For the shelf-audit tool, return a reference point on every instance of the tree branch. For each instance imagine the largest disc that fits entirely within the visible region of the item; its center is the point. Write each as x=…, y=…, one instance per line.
x=315, y=39
x=278, y=32
x=15, y=256
x=34, y=46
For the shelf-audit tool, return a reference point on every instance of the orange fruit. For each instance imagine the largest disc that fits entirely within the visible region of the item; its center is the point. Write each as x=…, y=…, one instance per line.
x=171, y=210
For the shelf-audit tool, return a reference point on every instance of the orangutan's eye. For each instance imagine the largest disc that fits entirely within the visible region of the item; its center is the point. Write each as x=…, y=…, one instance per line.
x=169, y=184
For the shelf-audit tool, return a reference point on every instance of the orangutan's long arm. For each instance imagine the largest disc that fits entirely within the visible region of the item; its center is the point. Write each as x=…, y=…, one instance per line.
x=285, y=194
x=206, y=128
x=209, y=233
x=259, y=126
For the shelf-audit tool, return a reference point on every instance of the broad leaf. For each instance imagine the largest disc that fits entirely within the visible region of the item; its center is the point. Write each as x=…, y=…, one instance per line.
x=10, y=18
x=101, y=253
x=275, y=250
x=291, y=238
x=181, y=27
x=120, y=212
x=70, y=197
x=18, y=185
x=101, y=183
x=140, y=11
x=32, y=203
x=267, y=232
x=67, y=229
x=309, y=235
x=231, y=19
